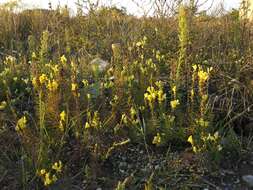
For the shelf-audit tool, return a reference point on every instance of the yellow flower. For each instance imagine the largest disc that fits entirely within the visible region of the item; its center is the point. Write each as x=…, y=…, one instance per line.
x=57, y=166
x=63, y=116
x=88, y=96
x=174, y=103
x=202, y=122
x=203, y=76
x=133, y=112
x=85, y=83
x=190, y=140
x=47, y=180
x=63, y=59
x=21, y=124
x=87, y=125
x=42, y=172
x=174, y=90
x=73, y=86
x=43, y=79
x=157, y=139
x=55, y=69
x=192, y=93
x=194, y=148
x=61, y=126
x=34, y=82
x=194, y=67
x=52, y=85
x=3, y=105
x=54, y=178
x=34, y=55
x=124, y=118
x=161, y=96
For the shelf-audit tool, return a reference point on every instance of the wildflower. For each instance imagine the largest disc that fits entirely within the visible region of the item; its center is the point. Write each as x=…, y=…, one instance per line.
x=174, y=104
x=157, y=139
x=190, y=140
x=85, y=83
x=174, y=90
x=194, y=67
x=3, y=105
x=57, y=166
x=21, y=124
x=34, y=82
x=42, y=172
x=204, y=97
x=88, y=96
x=42, y=79
x=194, y=148
x=202, y=122
x=73, y=87
x=63, y=59
x=124, y=118
x=87, y=125
x=219, y=147
x=161, y=96
x=52, y=85
x=63, y=116
x=203, y=76
x=34, y=55
x=216, y=135
x=133, y=112
x=55, y=69
x=47, y=180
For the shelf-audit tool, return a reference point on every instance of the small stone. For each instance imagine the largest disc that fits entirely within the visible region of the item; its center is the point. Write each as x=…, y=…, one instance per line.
x=99, y=188
x=248, y=179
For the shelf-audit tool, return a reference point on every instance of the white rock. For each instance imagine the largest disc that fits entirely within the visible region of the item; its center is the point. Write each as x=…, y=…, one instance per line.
x=100, y=64
x=248, y=179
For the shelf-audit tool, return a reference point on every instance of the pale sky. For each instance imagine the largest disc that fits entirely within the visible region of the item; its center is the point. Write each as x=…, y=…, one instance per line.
x=131, y=7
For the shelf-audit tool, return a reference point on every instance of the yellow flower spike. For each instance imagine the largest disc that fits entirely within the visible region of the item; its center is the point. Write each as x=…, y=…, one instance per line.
x=174, y=104
x=3, y=105
x=157, y=139
x=203, y=76
x=88, y=96
x=21, y=124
